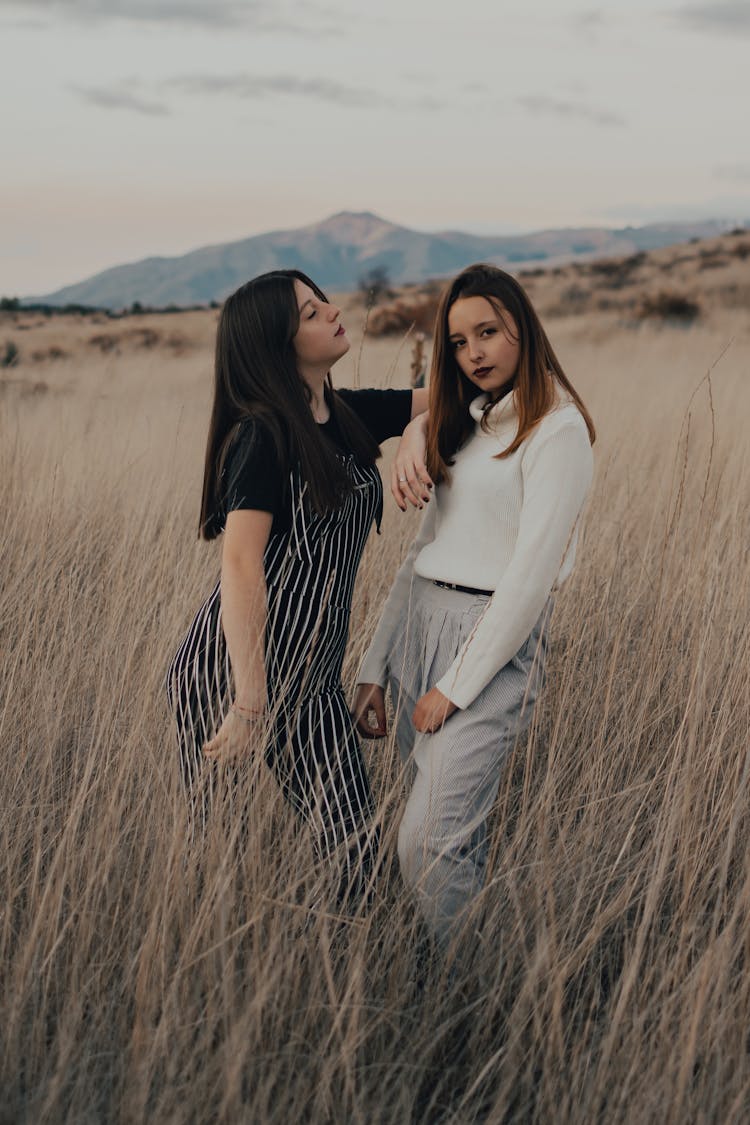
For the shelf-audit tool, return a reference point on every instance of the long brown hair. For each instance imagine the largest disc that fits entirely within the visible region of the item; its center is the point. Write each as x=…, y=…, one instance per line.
x=256, y=377
x=538, y=370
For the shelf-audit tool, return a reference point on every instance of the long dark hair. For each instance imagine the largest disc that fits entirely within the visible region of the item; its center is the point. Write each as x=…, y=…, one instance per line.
x=256, y=377
x=539, y=369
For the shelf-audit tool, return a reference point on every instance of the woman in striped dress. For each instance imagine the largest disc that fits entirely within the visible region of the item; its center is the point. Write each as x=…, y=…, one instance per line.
x=290, y=480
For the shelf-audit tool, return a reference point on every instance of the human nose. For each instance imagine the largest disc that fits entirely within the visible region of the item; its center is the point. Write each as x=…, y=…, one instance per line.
x=476, y=351
x=334, y=312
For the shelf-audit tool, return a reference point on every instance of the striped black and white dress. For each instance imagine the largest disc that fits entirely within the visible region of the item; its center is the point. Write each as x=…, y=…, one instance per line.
x=310, y=565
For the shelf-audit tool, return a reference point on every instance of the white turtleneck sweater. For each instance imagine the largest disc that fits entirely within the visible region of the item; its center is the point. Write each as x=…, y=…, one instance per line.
x=509, y=526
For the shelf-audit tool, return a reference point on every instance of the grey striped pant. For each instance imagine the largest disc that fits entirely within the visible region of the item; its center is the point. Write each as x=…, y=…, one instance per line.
x=442, y=840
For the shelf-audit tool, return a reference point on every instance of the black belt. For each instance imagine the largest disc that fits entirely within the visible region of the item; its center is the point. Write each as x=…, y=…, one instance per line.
x=462, y=589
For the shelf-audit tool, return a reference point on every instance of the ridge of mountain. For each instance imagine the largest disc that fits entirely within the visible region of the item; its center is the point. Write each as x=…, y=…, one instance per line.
x=338, y=250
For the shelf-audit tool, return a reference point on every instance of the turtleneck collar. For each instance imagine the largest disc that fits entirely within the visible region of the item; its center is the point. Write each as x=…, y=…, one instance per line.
x=506, y=410
x=499, y=413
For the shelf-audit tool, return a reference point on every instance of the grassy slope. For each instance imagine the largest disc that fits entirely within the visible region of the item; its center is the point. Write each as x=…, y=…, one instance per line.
x=142, y=982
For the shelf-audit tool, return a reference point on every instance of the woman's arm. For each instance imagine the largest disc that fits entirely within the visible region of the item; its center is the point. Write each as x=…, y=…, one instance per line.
x=410, y=480
x=389, y=413
x=243, y=615
x=419, y=401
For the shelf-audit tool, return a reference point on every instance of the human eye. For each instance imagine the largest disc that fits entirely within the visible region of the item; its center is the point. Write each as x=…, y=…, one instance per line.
x=489, y=331
x=312, y=314
x=456, y=344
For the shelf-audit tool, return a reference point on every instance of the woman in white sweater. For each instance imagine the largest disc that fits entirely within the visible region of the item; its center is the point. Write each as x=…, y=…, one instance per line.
x=462, y=636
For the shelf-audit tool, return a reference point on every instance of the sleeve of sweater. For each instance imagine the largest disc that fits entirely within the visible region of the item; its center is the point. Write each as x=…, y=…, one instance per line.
x=557, y=468
x=374, y=667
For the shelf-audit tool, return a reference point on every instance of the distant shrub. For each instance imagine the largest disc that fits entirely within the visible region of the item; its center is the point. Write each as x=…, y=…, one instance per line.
x=389, y=320
x=146, y=337
x=76, y=310
x=104, y=341
x=575, y=298
x=576, y=294
x=605, y=267
x=178, y=343
x=9, y=304
x=52, y=353
x=10, y=356
x=741, y=250
x=572, y=300
x=400, y=315
x=669, y=306
x=37, y=388
x=617, y=272
x=710, y=260
x=374, y=285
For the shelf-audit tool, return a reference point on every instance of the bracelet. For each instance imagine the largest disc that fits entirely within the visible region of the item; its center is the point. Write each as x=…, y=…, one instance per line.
x=247, y=710
x=250, y=716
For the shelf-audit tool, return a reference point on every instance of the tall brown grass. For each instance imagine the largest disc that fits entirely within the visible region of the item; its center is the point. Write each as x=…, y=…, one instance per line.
x=147, y=980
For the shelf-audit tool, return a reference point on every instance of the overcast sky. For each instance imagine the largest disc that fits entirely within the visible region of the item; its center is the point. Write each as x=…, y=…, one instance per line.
x=140, y=127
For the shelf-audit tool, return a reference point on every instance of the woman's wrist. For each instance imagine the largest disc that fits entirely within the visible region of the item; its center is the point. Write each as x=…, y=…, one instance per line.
x=250, y=715
x=248, y=705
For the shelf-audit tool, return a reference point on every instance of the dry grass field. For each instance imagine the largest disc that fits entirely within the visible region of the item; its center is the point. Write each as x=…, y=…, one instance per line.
x=143, y=980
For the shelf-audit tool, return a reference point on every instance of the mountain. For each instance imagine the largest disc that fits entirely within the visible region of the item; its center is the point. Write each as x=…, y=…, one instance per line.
x=339, y=250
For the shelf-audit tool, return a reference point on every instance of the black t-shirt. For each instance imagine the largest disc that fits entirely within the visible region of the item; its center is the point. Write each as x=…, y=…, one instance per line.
x=252, y=472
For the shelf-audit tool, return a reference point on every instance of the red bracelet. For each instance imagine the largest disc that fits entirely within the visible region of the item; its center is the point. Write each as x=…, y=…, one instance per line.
x=243, y=711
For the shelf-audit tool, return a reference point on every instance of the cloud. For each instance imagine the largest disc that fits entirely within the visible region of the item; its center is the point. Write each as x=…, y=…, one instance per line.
x=23, y=24
x=208, y=14
x=559, y=107
x=155, y=100
x=120, y=98
x=589, y=23
x=732, y=16
x=254, y=87
x=221, y=12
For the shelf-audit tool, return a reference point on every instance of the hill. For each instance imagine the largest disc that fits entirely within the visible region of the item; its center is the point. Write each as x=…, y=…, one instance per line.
x=339, y=250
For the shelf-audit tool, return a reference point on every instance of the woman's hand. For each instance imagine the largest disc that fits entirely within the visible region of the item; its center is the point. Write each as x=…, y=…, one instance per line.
x=410, y=480
x=234, y=739
x=369, y=711
x=431, y=711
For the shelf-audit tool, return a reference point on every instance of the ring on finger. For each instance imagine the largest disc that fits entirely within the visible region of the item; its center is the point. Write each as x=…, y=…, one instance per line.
x=402, y=480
